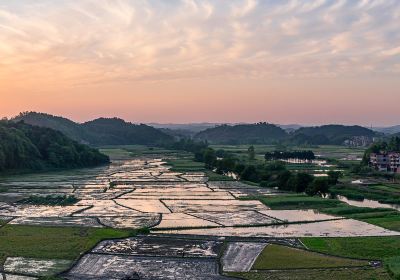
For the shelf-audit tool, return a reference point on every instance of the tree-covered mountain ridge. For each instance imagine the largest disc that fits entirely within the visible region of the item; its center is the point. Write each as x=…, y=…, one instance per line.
x=27, y=147
x=101, y=131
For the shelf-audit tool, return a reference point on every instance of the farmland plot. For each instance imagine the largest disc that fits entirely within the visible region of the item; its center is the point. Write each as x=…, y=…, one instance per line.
x=240, y=256
x=117, y=267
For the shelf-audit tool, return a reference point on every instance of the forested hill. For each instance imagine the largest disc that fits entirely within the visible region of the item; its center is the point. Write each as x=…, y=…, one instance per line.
x=27, y=147
x=101, y=131
x=66, y=126
x=260, y=133
x=329, y=134
x=118, y=132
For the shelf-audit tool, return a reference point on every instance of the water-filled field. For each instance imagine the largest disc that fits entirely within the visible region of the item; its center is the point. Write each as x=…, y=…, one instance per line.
x=189, y=219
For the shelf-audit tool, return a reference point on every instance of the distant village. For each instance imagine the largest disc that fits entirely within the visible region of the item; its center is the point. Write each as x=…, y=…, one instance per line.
x=384, y=161
x=359, y=141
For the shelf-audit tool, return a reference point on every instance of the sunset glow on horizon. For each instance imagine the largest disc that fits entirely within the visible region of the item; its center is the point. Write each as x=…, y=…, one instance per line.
x=291, y=61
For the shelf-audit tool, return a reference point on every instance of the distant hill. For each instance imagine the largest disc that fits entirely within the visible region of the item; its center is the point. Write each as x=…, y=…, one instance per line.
x=289, y=127
x=102, y=131
x=260, y=133
x=329, y=134
x=66, y=126
x=183, y=130
x=178, y=133
x=188, y=127
x=28, y=147
x=388, y=130
x=116, y=131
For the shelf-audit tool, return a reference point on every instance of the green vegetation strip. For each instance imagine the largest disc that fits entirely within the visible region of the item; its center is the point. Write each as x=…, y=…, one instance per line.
x=185, y=165
x=212, y=176
x=281, y=257
x=52, y=242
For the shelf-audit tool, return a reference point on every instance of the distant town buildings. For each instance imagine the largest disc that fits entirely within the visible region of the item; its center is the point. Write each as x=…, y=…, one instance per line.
x=385, y=161
x=358, y=141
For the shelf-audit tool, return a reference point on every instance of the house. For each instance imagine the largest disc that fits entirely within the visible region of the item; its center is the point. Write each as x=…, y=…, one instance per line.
x=385, y=161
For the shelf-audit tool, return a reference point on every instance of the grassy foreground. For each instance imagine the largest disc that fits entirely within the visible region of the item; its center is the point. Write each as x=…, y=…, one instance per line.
x=52, y=242
x=386, y=249
x=374, y=248
x=281, y=257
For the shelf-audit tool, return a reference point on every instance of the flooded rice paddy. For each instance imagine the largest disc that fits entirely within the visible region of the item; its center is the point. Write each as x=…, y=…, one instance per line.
x=240, y=256
x=145, y=193
x=189, y=218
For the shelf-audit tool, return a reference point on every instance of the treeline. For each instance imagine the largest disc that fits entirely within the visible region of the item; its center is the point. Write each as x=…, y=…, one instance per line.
x=27, y=147
x=273, y=174
x=286, y=155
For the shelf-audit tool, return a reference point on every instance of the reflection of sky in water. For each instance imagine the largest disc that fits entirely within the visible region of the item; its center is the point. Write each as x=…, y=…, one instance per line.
x=367, y=203
x=338, y=228
x=298, y=215
x=194, y=204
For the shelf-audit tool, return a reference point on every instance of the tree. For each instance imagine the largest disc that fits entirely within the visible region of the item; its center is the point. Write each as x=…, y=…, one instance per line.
x=220, y=153
x=209, y=158
x=318, y=186
x=394, y=144
x=302, y=181
x=251, y=153
x=250, y=174
x=225, y=165
x=239, y=168
x=283, y=180
x=333, y=177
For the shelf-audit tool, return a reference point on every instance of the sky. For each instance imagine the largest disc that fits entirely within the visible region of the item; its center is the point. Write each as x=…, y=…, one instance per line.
x=182, y=61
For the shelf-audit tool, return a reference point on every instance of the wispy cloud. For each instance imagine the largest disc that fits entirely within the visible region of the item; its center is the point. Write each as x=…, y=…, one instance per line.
x=88, y=41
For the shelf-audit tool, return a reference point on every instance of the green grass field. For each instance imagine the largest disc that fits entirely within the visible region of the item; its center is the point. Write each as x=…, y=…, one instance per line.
x=374, y=248
x=386, y=249
x=281, y=257
x=52, y=242
x=393, y=264
x=389, y=221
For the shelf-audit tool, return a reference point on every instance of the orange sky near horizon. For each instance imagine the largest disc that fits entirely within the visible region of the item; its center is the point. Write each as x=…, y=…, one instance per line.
x=188, y=61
